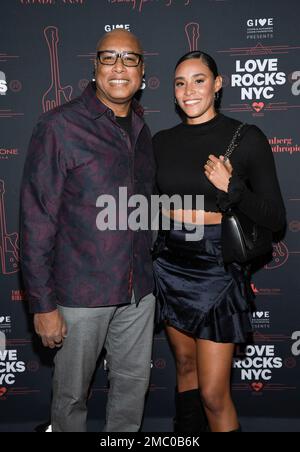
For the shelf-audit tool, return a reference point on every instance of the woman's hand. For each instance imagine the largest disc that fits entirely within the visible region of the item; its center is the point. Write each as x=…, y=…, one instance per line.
x=218, y=172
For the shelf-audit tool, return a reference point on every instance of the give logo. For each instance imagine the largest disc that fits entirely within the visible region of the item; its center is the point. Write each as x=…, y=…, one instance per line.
x=109, y=28
x=269, y=22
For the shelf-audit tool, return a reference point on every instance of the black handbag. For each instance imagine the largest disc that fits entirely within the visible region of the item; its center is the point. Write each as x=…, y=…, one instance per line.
x=242, y=239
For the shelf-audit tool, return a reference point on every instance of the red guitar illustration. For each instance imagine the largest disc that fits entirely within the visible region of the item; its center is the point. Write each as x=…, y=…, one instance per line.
x=9, y=249
x=56, y=94
x=280, y=256
x=193, y=35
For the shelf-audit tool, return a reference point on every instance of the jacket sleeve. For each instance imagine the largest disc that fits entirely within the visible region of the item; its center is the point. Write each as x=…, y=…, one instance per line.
x=262, y=201
x=42, y=189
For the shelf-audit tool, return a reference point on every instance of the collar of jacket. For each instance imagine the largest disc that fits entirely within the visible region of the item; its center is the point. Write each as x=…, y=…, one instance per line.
x=97, y=108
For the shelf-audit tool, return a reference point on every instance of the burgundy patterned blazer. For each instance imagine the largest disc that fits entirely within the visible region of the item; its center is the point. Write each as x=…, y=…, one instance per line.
x=78, y=152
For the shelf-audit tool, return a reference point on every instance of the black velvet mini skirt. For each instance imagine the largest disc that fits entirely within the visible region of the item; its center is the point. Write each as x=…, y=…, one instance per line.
x=196, y=294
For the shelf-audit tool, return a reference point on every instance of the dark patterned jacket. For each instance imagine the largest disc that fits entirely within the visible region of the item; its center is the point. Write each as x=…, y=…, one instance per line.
x=78, y=152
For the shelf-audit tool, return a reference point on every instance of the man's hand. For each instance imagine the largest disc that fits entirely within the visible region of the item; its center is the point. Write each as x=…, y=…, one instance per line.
x=218, y=172
x=51, y=327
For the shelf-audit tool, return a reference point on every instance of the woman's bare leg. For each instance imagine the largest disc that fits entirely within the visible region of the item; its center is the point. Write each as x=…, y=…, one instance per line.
x=214, y=371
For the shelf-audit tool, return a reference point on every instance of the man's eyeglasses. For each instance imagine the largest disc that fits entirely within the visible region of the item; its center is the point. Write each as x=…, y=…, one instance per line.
x=110, y=58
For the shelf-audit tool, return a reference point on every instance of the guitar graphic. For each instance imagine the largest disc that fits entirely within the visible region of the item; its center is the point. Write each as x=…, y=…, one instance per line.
x=56, y=94
x=9, y=248
x=280, y=256
x=192, y=31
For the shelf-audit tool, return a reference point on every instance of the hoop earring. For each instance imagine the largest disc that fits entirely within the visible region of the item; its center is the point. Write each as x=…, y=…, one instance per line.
x=217, y=95
x=143, y=85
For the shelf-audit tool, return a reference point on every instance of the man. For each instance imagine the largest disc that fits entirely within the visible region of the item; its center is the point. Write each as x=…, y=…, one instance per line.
x=91, y=288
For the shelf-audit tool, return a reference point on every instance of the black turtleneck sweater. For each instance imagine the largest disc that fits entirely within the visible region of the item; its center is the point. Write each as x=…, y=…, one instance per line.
x=181, y=153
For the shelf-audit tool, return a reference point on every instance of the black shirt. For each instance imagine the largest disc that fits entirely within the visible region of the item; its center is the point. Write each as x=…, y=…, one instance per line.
x=181, y=153
x=126, y=123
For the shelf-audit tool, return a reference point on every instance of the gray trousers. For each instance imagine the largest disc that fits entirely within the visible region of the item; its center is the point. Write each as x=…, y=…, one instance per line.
x=126, y=332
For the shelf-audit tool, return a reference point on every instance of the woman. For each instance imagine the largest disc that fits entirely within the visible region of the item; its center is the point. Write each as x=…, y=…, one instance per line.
x=205, y=306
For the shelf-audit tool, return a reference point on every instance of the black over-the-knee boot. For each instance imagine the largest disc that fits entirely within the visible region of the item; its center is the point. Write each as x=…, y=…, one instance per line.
x=190, y=414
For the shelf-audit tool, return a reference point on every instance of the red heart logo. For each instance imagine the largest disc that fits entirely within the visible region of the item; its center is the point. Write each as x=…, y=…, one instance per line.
x=257, y=387
x=258, y=106
x=3, y=391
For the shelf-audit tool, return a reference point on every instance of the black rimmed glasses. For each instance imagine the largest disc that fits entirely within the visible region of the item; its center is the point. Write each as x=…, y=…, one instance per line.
x=110, y=57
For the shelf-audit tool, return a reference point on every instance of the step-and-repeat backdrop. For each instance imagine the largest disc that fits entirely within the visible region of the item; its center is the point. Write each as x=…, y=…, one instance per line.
x=46, y=58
